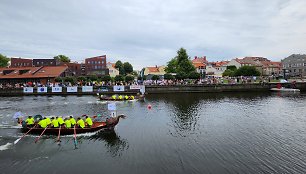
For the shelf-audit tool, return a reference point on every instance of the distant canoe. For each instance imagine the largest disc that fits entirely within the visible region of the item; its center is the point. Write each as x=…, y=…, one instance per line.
x=285, y=89
x=140, y=97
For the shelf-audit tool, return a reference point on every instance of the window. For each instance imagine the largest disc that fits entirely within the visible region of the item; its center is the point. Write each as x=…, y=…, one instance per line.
x=88, y=62
x=102, y=61
x=304, y=64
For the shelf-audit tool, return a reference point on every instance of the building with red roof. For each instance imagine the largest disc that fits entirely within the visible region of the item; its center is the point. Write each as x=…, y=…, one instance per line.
x=42, y=74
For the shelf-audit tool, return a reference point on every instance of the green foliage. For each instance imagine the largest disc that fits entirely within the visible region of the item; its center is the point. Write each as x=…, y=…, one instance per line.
x=129, y=78
x=155, y=77
x=119, y=65
x=81, y=78
x=247, y=71
x=92, y=78
x=70, y=79
x=62, y=58
x=134, y=73
x=58, y=79
x=194, y=75
x=106, y=78
x=172, y=66
x=181, y=76
x=180, y=64
x=168, y=76
x=231, y=67
x=128, y=68
x=4, y=61
x=229, y=73
x=119, y=78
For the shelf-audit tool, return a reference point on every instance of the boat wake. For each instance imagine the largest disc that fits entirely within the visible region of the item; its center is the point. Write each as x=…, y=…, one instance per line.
x=6, y=146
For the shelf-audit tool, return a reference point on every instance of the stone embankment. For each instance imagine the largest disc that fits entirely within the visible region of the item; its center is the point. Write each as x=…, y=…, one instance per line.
x=155, y=89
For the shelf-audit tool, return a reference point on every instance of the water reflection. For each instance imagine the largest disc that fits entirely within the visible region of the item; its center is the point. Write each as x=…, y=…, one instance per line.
x=113, y=142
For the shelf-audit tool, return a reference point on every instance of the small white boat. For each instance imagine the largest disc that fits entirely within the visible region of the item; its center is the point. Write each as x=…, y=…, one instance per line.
x=282, y=89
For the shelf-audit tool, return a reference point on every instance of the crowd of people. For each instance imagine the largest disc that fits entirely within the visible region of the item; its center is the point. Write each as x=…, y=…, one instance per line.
x=56, y=122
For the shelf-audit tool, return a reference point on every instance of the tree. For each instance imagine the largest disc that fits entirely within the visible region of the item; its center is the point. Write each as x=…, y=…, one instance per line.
x=106, y=78
x=119, y=78
x=62, y=58
x=128, y=68
x=194, y=75
x=4, y=61
x=247, y=71
x=81, y=78
x=134, y=73
x=58, y=79
x=155, y=77
x=70, y=79
x=229, y=73
x=172, y=66
x=232, y=67
x=119, y=66
x=181, y=64
x=92, y=78
x=168, y=76
x=129, y=78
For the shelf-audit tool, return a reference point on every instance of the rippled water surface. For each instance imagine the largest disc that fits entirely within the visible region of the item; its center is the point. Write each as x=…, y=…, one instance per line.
x=182, y=133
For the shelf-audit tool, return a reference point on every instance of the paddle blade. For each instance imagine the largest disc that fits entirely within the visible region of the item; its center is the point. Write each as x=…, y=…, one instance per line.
x=16, y=141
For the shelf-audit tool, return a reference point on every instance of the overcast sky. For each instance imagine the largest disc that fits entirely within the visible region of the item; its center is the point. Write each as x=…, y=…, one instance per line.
x=149, y=32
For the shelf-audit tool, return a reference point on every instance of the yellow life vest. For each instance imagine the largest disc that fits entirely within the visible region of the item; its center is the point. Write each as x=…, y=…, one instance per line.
x=48, y=120
x=120, y=97
x=68, y=123
x=113, y=97
x=60, y=120
x=132, y=97
x=88, y=121
x=126, y=97
x=81, y=123
x=42, y=123
x=72, y=121
x=30, y=121
x=55, y=123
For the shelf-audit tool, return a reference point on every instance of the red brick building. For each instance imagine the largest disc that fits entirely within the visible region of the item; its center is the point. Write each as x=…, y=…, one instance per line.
x=21, y=62
x=96, y=66
x=45, y=62
x=74, y=68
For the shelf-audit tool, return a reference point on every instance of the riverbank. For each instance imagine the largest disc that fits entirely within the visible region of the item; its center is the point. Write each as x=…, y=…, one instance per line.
x=156, y=89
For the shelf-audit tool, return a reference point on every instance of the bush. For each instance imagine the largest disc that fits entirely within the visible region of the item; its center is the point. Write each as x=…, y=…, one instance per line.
x=119, y=78
x=129, y=78
x=194, y=75
x=168, y=77
x=155, y=77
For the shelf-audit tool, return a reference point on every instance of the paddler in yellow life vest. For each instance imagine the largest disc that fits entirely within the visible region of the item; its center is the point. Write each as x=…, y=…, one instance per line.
x=126, y=97
x=67, y=123
x=54, y=123
x=88, y=121
x=30, y=121
x=42, y=123
x=132, y=97
x=114, y=97
x=60, y=120
x=48, y=121
x=120, y=97
x=81, y=123
x=72, y=121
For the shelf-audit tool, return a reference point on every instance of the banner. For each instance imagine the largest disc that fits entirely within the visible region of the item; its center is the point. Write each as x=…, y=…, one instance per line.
x=135, y=87
x=72, y=89
x=111, y=106
x=87, y=88
x=28, y=89
x=142, y=89
x=56, y=89
x=118, y=88
x=42, y=89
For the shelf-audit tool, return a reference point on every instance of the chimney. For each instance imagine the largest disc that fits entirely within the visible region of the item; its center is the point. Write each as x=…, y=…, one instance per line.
x=195, y=57
x=155, y=66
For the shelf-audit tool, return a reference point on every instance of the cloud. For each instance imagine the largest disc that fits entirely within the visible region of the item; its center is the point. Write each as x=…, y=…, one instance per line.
x=147, y=33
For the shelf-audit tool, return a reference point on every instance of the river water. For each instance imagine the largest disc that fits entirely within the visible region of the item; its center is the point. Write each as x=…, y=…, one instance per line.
x=181, y=133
